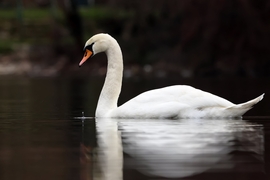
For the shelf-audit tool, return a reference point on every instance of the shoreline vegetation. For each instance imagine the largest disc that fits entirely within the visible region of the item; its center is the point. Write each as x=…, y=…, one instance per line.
x=190, y=40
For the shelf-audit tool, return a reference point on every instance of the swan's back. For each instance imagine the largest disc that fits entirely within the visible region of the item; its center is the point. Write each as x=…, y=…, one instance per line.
x=182, y=94
x=178, y=101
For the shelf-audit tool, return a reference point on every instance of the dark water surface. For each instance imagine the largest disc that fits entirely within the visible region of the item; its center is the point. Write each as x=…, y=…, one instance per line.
x=43, y=134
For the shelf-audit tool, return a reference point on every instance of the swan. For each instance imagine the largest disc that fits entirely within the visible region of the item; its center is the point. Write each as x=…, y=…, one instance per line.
x=172, y=102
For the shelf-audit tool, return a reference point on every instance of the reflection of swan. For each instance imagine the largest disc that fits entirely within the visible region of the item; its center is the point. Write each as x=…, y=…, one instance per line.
x=110, y=149
x=178, y=148
x=182, y=148
x=169, y=102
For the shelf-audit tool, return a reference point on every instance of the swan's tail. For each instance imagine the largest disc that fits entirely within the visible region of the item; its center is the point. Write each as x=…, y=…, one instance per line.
x=240, y=109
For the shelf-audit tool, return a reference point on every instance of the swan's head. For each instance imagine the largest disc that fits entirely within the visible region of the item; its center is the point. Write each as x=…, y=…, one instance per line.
x=96, y=44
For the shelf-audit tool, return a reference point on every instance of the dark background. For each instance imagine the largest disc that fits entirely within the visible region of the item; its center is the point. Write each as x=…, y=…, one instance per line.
x=220, y=46
x=195, y=38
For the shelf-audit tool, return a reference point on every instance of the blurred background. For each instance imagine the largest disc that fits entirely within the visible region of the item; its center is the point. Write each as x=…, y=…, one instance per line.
x=220, y=46
x=195, y=38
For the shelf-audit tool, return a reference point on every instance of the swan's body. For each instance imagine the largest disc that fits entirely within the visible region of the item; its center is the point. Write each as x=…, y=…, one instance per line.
x=178, y=101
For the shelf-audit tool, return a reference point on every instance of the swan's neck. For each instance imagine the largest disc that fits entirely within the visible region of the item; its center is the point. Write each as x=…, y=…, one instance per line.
x=113, y=81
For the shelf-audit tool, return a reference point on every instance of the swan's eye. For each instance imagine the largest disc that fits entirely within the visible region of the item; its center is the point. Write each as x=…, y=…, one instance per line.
x=89, y=47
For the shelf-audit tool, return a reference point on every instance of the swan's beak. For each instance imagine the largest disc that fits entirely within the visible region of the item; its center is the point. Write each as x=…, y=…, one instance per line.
x=86, y=56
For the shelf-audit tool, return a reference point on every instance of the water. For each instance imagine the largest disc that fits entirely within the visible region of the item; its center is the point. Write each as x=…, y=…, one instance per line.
x=44, y=135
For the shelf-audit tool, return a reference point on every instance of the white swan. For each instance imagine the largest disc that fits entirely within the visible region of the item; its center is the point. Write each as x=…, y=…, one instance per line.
x=178, y=101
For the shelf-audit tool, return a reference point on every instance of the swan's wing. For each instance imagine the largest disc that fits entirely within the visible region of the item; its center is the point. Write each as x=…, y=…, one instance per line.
x=168, y=102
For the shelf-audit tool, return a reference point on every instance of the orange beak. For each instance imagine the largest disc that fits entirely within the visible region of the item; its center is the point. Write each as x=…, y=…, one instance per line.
x=86, y=56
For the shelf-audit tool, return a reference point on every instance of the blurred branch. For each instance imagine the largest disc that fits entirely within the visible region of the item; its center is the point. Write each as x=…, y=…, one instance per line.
x=53, y=8
x=74, y=22
x=19, y=11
